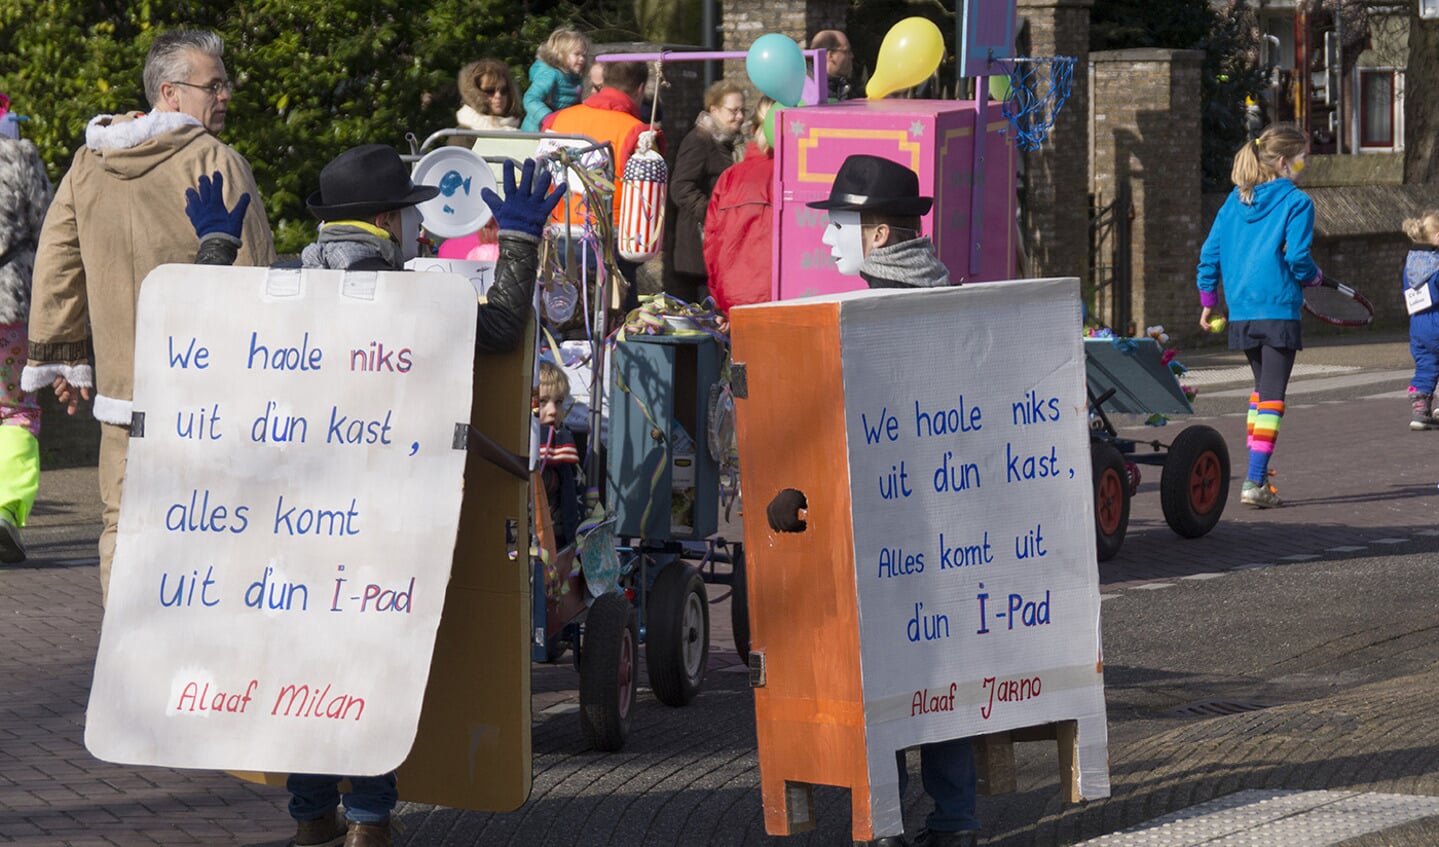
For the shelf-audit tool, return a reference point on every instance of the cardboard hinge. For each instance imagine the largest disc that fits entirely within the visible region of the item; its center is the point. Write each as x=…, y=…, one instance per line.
x=738, y=381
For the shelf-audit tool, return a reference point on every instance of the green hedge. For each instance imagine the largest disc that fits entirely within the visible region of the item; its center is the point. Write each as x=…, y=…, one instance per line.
x=313, y=77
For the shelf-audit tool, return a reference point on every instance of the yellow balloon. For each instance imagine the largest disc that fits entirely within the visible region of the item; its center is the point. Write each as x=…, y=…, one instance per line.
x=910, y=54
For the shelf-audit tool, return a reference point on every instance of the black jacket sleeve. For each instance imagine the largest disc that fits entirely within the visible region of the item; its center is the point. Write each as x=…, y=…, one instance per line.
x=217, y=249
x=502, y=321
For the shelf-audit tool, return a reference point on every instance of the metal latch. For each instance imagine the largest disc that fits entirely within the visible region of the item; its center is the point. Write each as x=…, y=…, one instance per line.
x=738, y=381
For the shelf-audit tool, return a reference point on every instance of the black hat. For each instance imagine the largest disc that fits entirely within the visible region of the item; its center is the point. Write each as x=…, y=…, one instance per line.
x=872, y=184
x=365, y=181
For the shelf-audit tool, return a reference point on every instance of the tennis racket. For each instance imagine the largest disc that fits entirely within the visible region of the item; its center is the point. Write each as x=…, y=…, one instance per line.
x=1337, y=304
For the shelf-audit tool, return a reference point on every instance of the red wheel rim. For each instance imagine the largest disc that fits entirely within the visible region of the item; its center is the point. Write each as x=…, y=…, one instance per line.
x=1204, y=480
x=1109, y=501
x=626, y=671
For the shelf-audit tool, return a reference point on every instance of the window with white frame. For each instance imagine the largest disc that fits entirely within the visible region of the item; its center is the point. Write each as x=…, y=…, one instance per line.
x=1377, y=107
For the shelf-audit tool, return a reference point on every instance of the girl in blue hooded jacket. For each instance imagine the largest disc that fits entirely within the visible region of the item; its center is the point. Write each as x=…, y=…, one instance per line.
x=1259, y=248
x=555, y=76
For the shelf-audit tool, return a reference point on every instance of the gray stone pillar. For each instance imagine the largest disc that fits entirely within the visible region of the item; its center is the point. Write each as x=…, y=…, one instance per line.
x=1145, y=117
x=1056, y=176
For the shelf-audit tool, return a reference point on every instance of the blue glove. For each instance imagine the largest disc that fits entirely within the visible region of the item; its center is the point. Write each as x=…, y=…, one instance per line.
x=207, y=212
x=527, y=206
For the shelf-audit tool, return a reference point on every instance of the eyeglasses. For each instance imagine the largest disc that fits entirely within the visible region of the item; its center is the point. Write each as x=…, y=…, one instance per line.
x=214, y=89
x=493, y=92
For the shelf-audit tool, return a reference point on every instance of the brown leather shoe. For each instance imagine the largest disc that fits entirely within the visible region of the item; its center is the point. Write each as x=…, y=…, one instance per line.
x=369, y=835
x=327, y=831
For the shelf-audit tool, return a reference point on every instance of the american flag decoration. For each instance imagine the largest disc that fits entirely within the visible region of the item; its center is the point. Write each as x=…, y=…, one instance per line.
x=642, y=202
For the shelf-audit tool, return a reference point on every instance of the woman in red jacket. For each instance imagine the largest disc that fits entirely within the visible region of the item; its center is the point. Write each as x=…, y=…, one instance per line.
x=740, y=222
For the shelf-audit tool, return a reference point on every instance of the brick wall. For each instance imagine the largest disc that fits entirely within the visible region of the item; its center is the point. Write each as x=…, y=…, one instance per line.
x=742, y=21
x=1056, y=176
x=1373, y=264
x=1145, y=119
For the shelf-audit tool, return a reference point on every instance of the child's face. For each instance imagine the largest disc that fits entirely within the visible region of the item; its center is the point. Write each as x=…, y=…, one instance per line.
x=548, y=408
x=575, y=62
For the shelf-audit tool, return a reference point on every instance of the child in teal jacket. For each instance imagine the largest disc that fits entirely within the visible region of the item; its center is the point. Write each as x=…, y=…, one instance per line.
x=555, y=76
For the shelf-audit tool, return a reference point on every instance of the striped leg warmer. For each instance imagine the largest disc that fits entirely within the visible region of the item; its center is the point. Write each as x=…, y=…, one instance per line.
x=1249, y=423
x=1261, y=442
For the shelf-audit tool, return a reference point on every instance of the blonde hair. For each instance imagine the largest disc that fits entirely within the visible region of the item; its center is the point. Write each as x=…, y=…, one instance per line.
x=718, y=91
x=1421, y=230
x=1258, y=162
x=560, y=44
x=756, y=121
x=553, y=381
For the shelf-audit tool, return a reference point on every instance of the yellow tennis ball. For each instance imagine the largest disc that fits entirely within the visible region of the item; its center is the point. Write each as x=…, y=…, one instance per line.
x=1217, y=325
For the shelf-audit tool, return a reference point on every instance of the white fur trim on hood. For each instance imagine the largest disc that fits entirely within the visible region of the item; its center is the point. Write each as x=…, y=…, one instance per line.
x=121, y=132
x=468, y=118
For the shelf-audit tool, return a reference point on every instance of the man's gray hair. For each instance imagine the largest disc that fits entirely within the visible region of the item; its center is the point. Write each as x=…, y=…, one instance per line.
x=169, y=57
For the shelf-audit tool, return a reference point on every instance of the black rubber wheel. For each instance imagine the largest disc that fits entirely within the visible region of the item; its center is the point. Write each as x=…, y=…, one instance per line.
x=609, y=671
x=1111, y=499
x=739, y=602
x=1194, y=486
x=677, y=642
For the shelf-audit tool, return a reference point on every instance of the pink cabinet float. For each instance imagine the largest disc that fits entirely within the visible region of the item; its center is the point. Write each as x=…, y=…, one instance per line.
x=936, y=139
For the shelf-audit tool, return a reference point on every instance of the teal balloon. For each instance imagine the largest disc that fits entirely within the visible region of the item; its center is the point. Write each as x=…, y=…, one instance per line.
x=776, y=67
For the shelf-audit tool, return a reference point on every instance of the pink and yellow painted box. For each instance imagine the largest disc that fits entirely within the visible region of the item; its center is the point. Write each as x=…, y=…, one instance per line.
x=936, y=139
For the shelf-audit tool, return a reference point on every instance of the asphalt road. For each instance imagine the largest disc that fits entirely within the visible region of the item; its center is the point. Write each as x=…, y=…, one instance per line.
x=1288, y=650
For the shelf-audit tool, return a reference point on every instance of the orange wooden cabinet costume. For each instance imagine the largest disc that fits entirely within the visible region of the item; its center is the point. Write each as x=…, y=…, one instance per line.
x=944, y=584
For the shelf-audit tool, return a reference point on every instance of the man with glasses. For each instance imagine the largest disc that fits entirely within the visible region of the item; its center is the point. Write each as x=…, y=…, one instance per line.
x=839, y=61
x=116, y=216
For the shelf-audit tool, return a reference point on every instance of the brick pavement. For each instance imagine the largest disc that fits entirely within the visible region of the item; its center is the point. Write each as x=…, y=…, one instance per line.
x=689, y=776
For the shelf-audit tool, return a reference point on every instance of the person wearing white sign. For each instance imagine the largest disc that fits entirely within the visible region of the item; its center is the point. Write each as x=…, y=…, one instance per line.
x=112, y=221
x=874, y=211
x=362, y=193
x=1421, y=272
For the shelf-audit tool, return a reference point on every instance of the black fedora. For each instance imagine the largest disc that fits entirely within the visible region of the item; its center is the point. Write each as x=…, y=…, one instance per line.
x=872, y=184
x=365, y=181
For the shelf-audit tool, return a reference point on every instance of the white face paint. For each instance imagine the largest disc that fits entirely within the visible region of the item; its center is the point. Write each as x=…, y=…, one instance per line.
x=845, y=242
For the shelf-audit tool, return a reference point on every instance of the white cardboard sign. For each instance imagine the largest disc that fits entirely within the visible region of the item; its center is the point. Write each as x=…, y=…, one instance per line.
x=972, y=492
x=289, y=518
x=480, y=274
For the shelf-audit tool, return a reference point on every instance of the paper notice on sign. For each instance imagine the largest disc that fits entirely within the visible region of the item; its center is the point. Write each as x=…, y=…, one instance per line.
x=973, y=531
x=289, y=518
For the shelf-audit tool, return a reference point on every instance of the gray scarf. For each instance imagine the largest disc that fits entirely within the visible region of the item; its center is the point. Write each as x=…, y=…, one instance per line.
x=730, y=142
x=908, y=264
x=340, y=246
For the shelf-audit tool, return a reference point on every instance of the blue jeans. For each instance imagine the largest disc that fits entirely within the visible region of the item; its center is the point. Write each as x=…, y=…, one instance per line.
x=947, y=770
x=1424, y=346
x=371, y=798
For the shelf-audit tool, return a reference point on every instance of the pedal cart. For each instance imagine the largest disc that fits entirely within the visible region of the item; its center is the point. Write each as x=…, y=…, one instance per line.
x=653, y=477
x=1130, y=376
